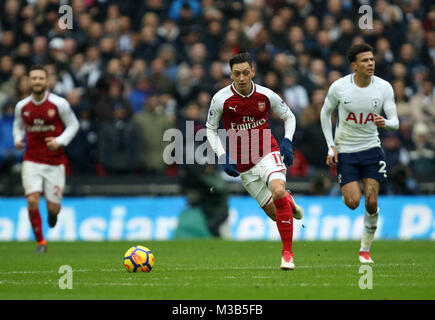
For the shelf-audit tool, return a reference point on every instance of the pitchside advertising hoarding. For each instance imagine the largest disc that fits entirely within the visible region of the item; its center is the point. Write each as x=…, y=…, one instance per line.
x=156, y=218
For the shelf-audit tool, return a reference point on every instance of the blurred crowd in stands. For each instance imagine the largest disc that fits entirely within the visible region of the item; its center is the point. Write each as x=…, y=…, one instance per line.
x=132, y=69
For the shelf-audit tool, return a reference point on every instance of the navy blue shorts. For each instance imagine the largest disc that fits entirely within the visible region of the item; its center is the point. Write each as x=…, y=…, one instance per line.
x=364, y=164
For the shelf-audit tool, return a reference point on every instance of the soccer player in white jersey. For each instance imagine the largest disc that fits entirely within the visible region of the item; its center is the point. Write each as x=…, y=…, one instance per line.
x=356, y=149
x=244, y=108
x=48, y=124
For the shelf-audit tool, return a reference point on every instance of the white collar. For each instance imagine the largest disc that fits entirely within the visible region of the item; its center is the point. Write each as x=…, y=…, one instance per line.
x=252, y=91
x=41, y=101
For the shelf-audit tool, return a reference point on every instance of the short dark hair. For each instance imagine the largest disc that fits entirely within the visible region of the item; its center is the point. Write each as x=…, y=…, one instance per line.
x=358, y=48
x=38, y=67
x=240, y=58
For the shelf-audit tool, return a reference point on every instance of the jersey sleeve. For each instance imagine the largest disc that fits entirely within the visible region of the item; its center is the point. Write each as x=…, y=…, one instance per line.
x=213, y=118
x=70, y=121
x=390, y=109
x=18, y=129
x=279, y=107
x=214, y=113
x=331, y=102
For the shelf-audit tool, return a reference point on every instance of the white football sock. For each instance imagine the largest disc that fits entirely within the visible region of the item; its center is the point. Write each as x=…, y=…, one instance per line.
x=370, y=226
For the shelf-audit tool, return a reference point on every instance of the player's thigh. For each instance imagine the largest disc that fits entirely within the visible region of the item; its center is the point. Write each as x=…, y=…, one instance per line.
x=54, y=183
x=32, y=177
x=271, y=167
x=256, y=188
x=352, y=194
x=347, y=169
x=373, y=165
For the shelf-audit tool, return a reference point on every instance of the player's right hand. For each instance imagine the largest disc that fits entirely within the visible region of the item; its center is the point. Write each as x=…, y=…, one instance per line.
x=228, y=165
x=332, y=158
x=19, y=145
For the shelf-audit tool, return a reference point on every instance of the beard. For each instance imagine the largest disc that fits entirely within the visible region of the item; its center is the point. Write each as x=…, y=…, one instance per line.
x=39, y=90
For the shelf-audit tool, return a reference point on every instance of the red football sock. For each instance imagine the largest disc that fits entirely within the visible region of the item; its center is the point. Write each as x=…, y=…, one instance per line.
x=284, y=222
x=35, y=221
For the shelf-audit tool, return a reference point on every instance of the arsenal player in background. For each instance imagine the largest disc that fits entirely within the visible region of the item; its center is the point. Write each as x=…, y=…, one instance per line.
x=254, y=153
x=49, y=124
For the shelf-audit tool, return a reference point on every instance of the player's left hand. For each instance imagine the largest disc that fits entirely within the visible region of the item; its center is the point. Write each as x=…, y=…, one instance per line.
x=52, y=143
x=379, y=121
x=287, y=152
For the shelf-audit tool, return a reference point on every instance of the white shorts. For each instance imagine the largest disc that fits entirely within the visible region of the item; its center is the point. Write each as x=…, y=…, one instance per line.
x=256, y=179
x=39, y=177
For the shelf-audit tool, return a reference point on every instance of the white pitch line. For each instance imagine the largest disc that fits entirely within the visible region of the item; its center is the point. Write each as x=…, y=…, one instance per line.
x=184, y=268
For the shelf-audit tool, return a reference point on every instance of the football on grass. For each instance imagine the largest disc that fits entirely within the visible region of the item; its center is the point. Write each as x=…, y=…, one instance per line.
x=138, y=259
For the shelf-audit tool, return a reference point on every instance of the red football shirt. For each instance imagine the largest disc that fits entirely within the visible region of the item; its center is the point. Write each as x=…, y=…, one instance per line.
x=42, y=119
x=246, y=121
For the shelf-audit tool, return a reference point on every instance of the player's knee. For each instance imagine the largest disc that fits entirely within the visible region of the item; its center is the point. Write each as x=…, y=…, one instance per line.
x=352, y=203
x=278, y=193
x=53, y=208
x=33, y=201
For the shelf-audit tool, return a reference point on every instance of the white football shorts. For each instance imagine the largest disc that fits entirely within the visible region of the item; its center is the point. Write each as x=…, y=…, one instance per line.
x=256, y=179
x=39, y=177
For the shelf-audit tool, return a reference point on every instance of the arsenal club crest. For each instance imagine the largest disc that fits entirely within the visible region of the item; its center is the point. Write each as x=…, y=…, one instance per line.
x=51, y=113
x=261, y=105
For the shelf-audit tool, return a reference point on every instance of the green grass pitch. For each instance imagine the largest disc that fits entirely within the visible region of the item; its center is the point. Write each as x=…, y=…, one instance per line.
x=218, y=270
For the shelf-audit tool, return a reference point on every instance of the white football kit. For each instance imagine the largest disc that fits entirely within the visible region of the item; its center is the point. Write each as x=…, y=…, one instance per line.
x=356, y=130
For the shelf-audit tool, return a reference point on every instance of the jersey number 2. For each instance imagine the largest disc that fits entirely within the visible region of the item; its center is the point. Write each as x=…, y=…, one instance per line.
x=382, y=168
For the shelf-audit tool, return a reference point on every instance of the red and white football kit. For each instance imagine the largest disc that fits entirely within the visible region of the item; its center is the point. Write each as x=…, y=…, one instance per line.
x=246, y=121
x=44, y=169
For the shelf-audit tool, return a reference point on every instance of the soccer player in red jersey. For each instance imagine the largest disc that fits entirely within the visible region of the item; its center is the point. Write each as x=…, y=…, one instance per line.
x=48, y=124
x=255, y=155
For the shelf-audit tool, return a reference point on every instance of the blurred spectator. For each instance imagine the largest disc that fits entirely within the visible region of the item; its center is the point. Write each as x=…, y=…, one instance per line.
x=422, y=157
x=148, y=44
x=202, y=184
x=119, y=147
x=184, y=87
x=8, y=87
x=404, y=107
x=159, y=81
x=423, y=107
x=184, y=9
x=23, y=88
x=311, y=141
x=139, y=94
x=8, y=154
x=7, y=42
x=395, y=153
x=295, y=95
x=82, y=152
x=151, y=123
